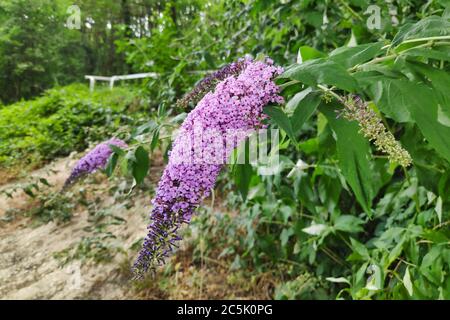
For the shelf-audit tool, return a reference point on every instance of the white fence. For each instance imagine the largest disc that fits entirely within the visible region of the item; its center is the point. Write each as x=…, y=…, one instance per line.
x=113, y=79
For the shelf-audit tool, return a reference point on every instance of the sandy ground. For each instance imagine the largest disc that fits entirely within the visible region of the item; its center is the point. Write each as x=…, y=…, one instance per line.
x=28, y=269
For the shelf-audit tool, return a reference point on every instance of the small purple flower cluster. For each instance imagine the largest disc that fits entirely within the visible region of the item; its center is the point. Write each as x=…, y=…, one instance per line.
x=236, y=104
x=208, y=83
x=94, y=159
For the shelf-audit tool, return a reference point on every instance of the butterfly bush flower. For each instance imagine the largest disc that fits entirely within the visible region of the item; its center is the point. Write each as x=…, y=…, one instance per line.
x=94, y=159
x=372, y=128
x=200, y=150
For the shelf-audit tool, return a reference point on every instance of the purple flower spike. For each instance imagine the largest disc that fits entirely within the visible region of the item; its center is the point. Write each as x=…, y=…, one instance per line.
x=95, y=159
x=235, y=105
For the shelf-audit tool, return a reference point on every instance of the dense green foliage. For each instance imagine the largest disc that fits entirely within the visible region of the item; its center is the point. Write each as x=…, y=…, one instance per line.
x=39, y=50
x=62, y=121
x=360, y=226
x=206, y=34
x=338, y=219
x=366, y=216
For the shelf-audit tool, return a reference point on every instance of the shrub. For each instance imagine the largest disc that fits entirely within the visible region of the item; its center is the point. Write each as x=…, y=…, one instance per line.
x=63, y=120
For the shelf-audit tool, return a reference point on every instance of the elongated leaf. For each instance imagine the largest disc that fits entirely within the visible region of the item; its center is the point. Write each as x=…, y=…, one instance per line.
x=315, y=229
x=282, y=120
x=433, y=26
x=388, y=98
x=111, y=165
x=338, y=280
x=360, y=249
x=348, y=223
x=306, y=53
x=438, y=53
x=155, y=139
x=242, y=177
x=425, y=109
x=146, y=127
x=285, y=235
x=407, y=282
x=440, y=81
x=45, y=181
x=321, y=71
x=292, y=104
x=354, y=154
x=141, y=165
x=116, y=149
x=304, y=110
x=352, y=56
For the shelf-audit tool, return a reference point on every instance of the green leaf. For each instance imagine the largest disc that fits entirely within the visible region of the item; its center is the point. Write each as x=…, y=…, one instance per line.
x=433, y=26
x=438, y=209
x=407, y=282
x=242, y=176
x=348, y=223
x=29, y=192
x=306, y=53
x=140, y=165
x=111, y=165
x=155, y=139
x=375, y=281
x=292, y=104
x=45, y=181
x=352, y=56
x=117, y=149
x=321, y=71
x=431, y=266
x=285, y=235
x=354, y=155
x=178, y=118
x=424, y=107
x=438, y=53
x=282, y=120
x=146, y=127
x=360, y=249
x=359, y=276
x=439, y=81
x=338, y=280
x=395, y=253
x=388, y=98
x=315, y=229
x=304, y=110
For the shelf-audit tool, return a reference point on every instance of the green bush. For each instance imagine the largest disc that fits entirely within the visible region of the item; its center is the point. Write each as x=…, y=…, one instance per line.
x=63, y=120
x=345, y=206
x=350, y=212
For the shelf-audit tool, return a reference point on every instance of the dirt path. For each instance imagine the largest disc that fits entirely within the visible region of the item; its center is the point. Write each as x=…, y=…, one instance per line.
x=55, y=173
x=28, y=268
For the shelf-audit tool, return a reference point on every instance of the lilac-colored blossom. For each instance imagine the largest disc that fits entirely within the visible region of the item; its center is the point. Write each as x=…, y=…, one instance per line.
x=95, y=159
x=236, y=104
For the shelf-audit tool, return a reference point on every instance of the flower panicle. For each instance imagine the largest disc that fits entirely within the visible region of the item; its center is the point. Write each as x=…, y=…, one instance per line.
x=372, y=127
x=236, y=103
x=93, y=160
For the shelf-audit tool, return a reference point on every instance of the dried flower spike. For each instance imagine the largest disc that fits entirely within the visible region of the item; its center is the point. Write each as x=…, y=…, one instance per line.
x=373, y=128
x=210, y=81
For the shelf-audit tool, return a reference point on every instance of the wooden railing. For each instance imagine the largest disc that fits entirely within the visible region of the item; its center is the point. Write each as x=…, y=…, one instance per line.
x=113, y=79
